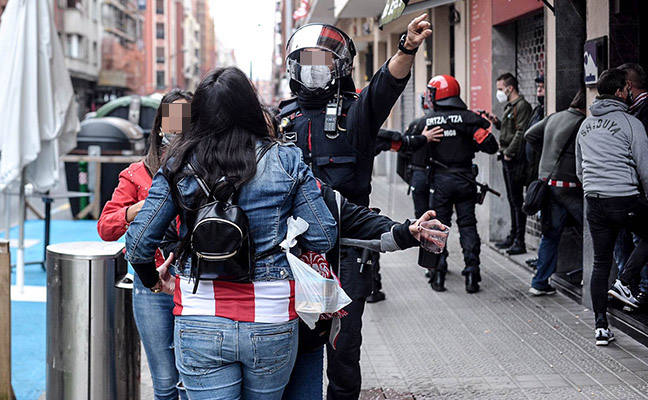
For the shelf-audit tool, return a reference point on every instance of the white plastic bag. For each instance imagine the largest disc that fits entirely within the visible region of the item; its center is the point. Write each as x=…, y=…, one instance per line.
x=314, y=294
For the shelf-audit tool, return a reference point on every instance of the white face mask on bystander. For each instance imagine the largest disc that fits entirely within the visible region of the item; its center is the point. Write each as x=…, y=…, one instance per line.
x=501, y=96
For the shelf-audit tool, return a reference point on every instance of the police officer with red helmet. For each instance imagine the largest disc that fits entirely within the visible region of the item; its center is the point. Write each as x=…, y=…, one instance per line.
x=449, y=155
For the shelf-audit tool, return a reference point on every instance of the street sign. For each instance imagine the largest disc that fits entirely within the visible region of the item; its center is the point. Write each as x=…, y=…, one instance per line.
x=595, y=59
x=393, y=9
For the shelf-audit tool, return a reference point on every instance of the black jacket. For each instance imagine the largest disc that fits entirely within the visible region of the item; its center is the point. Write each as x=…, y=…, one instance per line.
x=414, y=130
x=354, y=222
x=358, y=222
x=394, y=140
x=346, y=161
x=465, y=133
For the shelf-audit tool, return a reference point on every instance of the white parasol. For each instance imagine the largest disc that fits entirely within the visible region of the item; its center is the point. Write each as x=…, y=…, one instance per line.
x=37, y=105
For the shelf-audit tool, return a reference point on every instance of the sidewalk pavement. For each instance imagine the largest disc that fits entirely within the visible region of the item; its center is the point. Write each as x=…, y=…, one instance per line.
x=500, y=343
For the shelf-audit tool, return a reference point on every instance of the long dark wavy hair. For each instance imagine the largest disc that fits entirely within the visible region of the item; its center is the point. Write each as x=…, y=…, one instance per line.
x=227, y=120
x=153, y=158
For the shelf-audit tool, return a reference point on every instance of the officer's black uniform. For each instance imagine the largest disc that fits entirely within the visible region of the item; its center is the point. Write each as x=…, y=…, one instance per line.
x=419, y=183
x=345, y=162
x=411, y=145
x=464, y=134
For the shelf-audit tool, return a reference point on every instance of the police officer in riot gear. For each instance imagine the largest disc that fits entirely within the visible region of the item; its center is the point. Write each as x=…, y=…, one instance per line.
x=464, y=133
x=336, y=130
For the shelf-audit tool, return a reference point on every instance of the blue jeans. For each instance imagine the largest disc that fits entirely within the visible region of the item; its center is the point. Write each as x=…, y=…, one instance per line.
x=219, y=358
x=562, y=204
x=154, y=319
x=307, y=377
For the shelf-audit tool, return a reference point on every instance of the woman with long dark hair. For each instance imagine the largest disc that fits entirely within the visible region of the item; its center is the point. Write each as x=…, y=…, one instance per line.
x=153, y=311
x=232, y=339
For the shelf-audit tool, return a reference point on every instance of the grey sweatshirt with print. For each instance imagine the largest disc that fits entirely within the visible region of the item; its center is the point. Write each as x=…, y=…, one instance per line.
x=612, y=151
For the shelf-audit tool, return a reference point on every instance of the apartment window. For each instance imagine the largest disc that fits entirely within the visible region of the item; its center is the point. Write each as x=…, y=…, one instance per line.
x=197, y=52
x=160, y=55
x=73, y=3
x=160, y=79
x=73, y=45
x=159, y=30
x=159, y=6
x=95, y=56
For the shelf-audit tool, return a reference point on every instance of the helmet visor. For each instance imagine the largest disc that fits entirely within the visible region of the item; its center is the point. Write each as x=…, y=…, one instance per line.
x=320, y=37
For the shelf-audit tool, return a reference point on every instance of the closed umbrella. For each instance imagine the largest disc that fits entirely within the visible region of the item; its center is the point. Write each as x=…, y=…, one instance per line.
x=37, y=105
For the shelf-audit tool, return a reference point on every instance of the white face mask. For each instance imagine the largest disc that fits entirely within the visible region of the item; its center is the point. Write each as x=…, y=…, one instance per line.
x=166, y=139
x=501, y=96
x=315, y=76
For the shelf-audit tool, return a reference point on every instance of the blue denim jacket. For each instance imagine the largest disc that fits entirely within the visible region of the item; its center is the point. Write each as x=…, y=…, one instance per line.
x=282, y=187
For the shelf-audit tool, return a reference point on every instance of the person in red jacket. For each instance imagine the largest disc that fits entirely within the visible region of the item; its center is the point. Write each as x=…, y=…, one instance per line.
x=153, y=311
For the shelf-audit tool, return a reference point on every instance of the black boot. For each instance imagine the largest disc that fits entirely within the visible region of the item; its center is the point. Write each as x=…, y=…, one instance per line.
x=472, y=282
x=438, y=281
x=376, y=296
x=517, y=248
x=506, y=243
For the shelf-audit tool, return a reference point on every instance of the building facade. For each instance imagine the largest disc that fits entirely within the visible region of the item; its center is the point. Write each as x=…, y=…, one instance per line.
x=191, y=47
x=79, y=26
x=122, y=51
x=163, y=42
x=476, y=41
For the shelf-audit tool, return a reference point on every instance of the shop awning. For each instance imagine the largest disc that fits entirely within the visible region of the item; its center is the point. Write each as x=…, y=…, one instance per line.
x=394, y=9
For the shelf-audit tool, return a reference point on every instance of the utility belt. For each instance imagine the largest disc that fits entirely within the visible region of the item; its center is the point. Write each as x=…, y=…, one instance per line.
x=455, y=170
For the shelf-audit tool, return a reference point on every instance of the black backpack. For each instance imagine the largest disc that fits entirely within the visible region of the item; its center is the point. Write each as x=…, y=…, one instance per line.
x=219, y=243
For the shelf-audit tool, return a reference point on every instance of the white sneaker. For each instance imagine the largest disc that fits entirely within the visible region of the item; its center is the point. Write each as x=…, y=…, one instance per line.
x=623, y=293
x=603, y=336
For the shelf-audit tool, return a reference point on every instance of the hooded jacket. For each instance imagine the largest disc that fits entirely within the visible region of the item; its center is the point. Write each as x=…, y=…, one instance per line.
x=612, y=151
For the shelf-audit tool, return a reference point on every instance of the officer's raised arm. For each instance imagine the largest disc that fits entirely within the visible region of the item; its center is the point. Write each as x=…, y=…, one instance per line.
x=417, y=31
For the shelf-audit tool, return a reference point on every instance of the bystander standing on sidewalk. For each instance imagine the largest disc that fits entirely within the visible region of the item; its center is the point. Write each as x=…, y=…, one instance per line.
x=236, y=328
x=612, y=164
x=512, y=126
x=554, y=138
x=636, y=77
x=153, y=312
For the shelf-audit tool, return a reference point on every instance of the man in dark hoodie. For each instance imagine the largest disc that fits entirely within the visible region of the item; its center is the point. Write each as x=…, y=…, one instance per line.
x=612, y=164
x=638, y=107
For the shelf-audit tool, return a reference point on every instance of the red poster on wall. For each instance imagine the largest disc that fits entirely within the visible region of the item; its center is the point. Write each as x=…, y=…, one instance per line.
x=480, y=54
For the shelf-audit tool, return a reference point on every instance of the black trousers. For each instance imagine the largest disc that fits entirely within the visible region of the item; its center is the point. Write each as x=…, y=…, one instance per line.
x=606, y=217
x=451, y=191
x=514, y=179
x=343, y=368
x=420, y=192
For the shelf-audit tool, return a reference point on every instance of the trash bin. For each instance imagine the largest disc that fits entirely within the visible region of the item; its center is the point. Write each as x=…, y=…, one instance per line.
x=115, y=136
x=93, y=349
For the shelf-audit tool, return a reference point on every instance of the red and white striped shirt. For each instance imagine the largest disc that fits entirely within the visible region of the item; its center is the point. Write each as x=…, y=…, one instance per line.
x=263, y=301
x=562, y=184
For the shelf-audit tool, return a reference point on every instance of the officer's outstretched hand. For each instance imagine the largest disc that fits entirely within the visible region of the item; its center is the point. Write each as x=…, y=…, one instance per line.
x=433, y=134
x=417, y=31
x=434, y=231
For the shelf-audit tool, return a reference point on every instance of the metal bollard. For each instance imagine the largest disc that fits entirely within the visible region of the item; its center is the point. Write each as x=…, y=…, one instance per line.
x=93, y=349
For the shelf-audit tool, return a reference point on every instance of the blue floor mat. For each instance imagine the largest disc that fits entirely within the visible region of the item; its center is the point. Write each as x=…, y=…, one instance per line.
x=28, y=322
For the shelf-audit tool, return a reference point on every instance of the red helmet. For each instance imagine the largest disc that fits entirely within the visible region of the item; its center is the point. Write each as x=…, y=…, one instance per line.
x=444, y=90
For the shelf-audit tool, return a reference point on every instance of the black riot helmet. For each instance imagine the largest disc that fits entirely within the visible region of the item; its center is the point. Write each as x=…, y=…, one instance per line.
x=319, y=57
